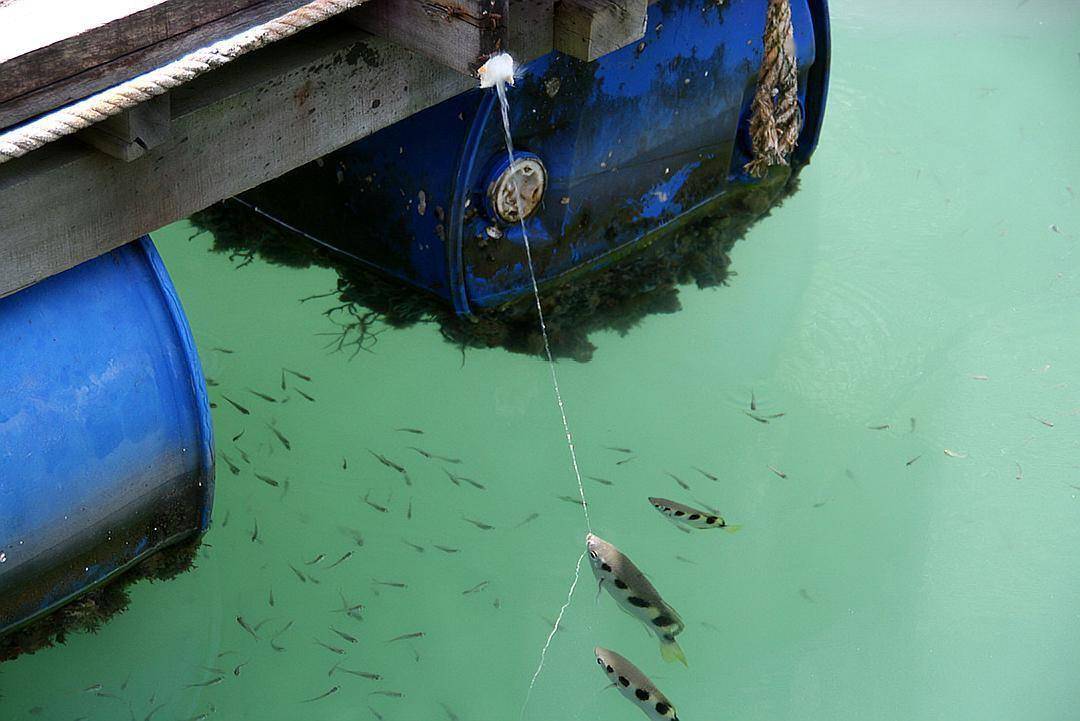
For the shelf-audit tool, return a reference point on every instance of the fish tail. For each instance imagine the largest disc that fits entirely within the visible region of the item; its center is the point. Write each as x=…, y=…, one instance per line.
x=672, y=651
x=732, y=528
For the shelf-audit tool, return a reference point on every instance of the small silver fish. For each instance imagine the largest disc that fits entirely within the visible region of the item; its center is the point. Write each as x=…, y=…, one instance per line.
x=682, y=484
x=267, y=480
x=361, y=674
x=405, y=636
x=247, y=627
x=347, y=637
x=298, y=374
x=373, y=504
x=333, y=690
x=328, y=647
x=528, y=518
x=344, y=558
x=475, y=588
x=636, y=595
x=679, y=513
x=281, y=437
x=635, y=685
x=708, y=475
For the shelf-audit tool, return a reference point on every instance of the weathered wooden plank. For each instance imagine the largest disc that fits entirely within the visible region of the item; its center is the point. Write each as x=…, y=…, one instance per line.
x=106, y=74
x=113, y=29
x=131, y=133
x=232, y=129
x=587, y=29
x=531, y=31
x=460, y=34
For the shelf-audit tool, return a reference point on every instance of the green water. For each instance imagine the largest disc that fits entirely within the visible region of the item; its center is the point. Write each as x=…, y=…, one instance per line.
x=926, y=277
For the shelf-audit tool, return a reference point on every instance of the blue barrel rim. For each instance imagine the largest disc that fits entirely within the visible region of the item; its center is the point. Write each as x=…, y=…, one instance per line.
x=191, y=355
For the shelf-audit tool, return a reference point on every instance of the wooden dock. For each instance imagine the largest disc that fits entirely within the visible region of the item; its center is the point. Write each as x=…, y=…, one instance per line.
x=245, y=122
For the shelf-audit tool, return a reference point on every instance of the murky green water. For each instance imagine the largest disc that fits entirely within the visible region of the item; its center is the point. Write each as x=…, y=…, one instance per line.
x=925, y=277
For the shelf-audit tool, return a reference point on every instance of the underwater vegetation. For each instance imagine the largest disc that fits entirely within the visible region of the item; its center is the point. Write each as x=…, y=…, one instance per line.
x=644, y=279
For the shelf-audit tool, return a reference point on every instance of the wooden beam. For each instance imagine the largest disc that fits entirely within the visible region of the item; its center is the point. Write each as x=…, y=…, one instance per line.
x=73, y=68
x=587, y=29
x=460, y=34
x=531, y=31
x=131, y=133
x=252, y=120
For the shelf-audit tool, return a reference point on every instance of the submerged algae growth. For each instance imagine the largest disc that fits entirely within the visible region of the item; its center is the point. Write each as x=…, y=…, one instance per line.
x=641, y=280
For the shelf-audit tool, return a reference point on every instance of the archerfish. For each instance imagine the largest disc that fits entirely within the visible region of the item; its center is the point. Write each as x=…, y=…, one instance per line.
x=682, y=514
x=635, y=685
x=635, y=595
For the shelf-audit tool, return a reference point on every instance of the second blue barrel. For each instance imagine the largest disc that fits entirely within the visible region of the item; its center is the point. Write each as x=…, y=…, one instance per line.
x=106, y=449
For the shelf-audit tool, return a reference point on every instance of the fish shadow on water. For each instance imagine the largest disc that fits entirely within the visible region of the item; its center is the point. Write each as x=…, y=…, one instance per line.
x=644, y=282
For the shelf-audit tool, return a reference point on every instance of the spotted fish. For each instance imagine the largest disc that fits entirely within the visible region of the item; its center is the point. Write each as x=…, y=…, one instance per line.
x=635, y=685
x=680, y=514
x=635, y=595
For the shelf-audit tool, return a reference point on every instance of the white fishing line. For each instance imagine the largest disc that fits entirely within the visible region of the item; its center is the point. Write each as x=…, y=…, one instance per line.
x=554, y=629
x=500, y=89
x=497, y=72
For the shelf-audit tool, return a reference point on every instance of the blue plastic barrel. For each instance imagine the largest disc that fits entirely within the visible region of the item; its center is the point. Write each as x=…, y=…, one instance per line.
x=106, y=449
x=633, y=144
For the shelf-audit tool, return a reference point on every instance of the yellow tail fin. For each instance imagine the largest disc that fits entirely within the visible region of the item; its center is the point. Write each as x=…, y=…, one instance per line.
x=672, y=651
x=732, y=529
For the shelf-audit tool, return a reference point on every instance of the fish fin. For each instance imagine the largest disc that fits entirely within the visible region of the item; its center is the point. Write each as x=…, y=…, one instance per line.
x=732, y=528
x=672, y=651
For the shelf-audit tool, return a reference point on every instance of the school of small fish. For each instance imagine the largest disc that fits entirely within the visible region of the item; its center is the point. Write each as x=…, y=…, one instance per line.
x=630, y=588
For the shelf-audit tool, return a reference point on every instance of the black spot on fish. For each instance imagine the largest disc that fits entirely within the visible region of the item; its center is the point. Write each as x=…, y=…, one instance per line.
x=642, y=694
x=663, y=620
x=623, y=680
x=620, y=584
x=639, y=602
x=661, y=708
x=710, y=520
x=680, y=513
x=610, y=669
x=693, y=517
x=605, y=567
